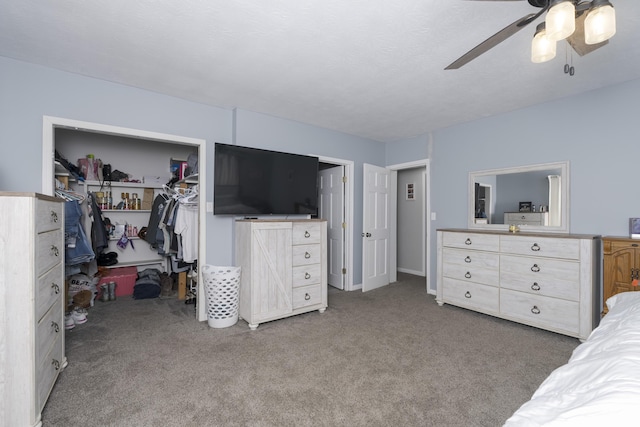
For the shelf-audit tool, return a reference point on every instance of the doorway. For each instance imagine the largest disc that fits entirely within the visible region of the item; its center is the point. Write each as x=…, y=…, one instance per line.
x=384, y=258
x=335, y=204
x=49, y=126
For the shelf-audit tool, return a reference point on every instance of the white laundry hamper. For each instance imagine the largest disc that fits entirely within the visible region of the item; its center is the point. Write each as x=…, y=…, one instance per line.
x=221, y=286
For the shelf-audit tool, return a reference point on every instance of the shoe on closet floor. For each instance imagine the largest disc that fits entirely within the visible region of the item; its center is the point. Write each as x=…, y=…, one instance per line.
x=79, y=316
x=68, y=322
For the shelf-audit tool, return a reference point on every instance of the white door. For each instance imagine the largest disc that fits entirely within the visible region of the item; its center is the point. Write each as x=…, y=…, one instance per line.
x=331, y=208
x=375, y=235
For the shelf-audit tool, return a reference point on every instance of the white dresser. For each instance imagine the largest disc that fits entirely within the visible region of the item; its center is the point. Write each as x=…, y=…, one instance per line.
x=526, y=218
x=283, y=268
x=31, y=304
x=549, y=281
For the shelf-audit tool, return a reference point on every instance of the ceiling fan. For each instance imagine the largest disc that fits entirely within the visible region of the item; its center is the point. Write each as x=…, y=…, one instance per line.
x=586, y=25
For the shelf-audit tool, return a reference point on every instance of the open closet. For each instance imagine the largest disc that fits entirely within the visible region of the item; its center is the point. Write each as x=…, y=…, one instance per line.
x=146, y=189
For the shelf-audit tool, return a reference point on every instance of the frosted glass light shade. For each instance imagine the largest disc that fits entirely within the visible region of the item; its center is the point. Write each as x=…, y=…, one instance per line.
x=561, y=20
x=600, y=24
x=543, y=48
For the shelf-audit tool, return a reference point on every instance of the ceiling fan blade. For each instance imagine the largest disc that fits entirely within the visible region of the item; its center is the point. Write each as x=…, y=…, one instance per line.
x=493, y=41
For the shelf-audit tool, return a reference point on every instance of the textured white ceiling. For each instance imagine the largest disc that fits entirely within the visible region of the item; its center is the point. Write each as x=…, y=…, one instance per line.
x=373, y=68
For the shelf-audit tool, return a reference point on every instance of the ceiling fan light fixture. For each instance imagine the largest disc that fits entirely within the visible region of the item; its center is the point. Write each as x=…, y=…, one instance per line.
x=600, y=23
x=561, y=19
x=543, y=48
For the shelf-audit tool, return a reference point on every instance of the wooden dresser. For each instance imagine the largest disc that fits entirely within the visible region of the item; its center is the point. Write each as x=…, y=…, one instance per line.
x=621, y=266
x=549, y=281
x=284, y=268
x=31, y=304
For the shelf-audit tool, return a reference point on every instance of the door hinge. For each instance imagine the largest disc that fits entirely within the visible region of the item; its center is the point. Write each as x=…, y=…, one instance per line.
x=344, y=271
x=344, y=225
x=344, y=179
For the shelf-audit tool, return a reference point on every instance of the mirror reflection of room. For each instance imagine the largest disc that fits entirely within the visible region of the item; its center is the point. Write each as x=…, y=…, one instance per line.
x=529, y=198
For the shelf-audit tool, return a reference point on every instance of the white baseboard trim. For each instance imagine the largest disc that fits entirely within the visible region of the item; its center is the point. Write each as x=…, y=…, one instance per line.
x=414, y=272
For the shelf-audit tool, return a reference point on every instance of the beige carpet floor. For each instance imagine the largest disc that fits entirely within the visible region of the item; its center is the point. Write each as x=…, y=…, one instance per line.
x=389, y=357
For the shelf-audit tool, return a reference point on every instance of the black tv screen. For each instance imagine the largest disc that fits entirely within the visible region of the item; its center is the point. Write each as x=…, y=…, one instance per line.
x=251, y=181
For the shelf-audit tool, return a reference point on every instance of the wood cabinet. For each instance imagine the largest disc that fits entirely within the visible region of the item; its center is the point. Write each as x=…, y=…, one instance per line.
x=32, y=304
x=546, y=281
x=621, y=266
x=283, y=268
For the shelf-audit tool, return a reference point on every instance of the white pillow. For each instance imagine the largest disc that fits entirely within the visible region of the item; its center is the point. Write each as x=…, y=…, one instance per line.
x=624, y=297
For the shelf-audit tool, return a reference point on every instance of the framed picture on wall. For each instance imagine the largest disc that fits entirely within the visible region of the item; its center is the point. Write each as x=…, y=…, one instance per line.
x=525, y=207
x=411, y=195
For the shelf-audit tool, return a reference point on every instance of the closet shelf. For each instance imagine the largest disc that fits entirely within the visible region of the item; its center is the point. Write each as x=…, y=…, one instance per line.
x=123, y=184
x=126, y=210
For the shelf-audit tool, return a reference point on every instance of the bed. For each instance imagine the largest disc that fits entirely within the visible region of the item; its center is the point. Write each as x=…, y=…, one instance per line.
x=600, y=384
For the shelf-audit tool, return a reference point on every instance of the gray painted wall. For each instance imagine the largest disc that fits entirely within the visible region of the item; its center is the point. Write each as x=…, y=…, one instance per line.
x=595, y=131
x=30, y=92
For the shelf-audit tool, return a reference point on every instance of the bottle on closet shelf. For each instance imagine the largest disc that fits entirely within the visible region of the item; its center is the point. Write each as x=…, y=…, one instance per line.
x=91, y=168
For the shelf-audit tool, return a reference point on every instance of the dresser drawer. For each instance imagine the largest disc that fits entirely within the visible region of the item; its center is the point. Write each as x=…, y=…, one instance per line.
x=306, y=232
x=552, y=313
x=49, y=288
x=307, y=295
x=552, y=247
x=48, y=330
x=471, y=259
x=306, y=254
x=47, y=370
x=48, y=216
x=471, y=273
x=541, y=276
x=304, y=275
x=485, y=242
x=526, y=218
x=472, y=295
x=49, y=250
x=544, y=276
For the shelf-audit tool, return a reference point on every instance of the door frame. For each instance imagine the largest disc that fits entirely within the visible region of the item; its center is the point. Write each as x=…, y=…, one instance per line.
x=50, y=123
x=348, y=215
x=426, y=234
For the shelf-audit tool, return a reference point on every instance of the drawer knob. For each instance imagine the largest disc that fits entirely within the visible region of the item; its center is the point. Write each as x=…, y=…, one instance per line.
x=55, y=287
x=535, y=268
x=56, y=364
x=306, y=234
x=307, y=255
x=535, y=247
x=55, y=251
x=54, y=216
x=468, y=241
x=535, y=286
x=307, y=276
x=535, y=309
x=467, y=259
x=55, y=326
x=467, y=275
x=307, y=297
x=467, y=294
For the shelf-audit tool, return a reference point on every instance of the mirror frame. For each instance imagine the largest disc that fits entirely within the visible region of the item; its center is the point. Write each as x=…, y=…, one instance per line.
x=564, y=173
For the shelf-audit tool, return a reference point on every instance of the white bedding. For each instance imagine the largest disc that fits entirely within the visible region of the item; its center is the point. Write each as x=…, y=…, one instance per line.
x=600, y=385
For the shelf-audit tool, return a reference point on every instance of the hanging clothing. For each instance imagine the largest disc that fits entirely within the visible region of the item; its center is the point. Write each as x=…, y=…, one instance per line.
x=155, y=217
x=77, y=245
x=99, y=235
x=186, y=226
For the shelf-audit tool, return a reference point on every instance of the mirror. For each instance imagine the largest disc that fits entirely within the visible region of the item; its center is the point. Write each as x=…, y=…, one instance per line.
x=535, y=198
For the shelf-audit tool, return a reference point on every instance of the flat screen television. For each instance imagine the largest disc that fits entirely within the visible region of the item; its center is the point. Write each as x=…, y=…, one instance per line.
x=251, y=181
